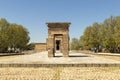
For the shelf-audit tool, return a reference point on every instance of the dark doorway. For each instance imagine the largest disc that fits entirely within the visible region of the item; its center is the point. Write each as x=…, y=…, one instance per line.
x=57, y=44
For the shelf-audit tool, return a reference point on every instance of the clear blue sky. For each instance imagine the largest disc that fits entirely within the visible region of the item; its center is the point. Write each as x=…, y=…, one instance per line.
x=33, y=14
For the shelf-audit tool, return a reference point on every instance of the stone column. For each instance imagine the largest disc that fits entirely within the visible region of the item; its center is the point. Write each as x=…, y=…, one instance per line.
x=61, y=47
x=65, y=46
x=51, y=47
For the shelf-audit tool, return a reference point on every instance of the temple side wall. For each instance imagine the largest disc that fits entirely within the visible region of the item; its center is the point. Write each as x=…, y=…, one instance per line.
x=40, y=46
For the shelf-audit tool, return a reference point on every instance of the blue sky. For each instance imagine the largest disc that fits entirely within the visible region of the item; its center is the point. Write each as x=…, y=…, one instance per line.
x=33, y=14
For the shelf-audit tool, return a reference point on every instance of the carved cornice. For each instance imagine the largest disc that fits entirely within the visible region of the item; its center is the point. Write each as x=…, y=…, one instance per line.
x=58, y=24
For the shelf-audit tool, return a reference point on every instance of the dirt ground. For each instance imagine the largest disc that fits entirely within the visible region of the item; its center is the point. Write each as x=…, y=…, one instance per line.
x=60, y=73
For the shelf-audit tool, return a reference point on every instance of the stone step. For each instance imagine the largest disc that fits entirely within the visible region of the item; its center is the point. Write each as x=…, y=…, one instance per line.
x=59, y=65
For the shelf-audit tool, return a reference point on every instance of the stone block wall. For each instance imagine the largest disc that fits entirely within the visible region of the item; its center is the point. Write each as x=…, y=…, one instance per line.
x=40, y=46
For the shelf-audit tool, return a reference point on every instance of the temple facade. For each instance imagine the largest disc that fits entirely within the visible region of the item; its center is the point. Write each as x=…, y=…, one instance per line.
x=58, y=38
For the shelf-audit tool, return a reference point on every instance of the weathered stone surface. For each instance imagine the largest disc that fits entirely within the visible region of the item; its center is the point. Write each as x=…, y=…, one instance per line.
x=40, y=46
x=58, y=38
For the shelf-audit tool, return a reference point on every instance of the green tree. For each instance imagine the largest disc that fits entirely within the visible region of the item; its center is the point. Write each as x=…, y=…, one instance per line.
x=91, y=36
x=107, y=34
x=81, y=42
x=117, y=31
x=3, y=34
x=12, y=35
x=117, y=34
x=95, y=39
x=3, y=24
x=75, y=44
x=18, y=36
x=86, y=37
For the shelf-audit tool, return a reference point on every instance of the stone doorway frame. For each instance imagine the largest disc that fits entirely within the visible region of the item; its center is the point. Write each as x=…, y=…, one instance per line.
x=58, y=37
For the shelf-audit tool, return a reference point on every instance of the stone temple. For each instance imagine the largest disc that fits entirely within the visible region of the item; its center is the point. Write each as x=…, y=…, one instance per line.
x=58, y=39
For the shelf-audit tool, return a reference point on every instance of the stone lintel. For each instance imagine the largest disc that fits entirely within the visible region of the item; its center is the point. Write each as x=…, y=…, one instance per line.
x=58, y=24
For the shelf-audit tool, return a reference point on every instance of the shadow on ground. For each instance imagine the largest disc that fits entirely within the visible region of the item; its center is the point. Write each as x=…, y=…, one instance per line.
x=73, y=56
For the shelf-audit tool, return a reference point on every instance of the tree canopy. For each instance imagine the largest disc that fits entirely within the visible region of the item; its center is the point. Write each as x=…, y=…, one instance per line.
x=74, y=44
x=104, y=35
x=12, y=35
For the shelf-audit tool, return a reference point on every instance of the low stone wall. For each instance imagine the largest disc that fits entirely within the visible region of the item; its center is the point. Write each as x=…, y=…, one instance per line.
x=60, y=65
x=9, y=54
x=82, y=51
x=22, y=53
x=41, y=46
x=99, y=53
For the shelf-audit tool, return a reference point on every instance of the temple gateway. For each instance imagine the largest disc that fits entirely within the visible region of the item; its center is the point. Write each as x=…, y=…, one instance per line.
x=58, y=39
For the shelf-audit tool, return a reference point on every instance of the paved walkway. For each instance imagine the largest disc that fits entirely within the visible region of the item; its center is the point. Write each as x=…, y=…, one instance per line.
x=42, y=58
